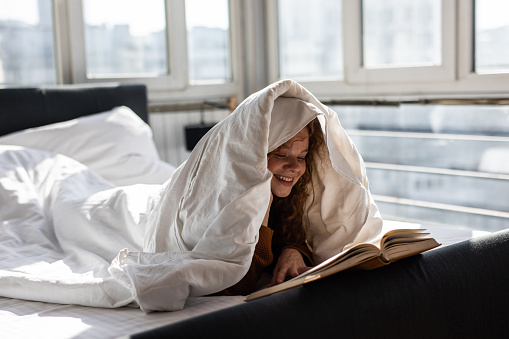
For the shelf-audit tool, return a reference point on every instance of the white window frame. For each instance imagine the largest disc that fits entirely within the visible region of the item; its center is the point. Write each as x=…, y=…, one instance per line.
x=355, y=73
x=175, y=86
x=177, y=50
x=489, y=84
x=198, y=91
x=453, y=79
x=324, y=87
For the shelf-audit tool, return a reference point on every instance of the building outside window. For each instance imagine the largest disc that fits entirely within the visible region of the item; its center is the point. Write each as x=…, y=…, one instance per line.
x=27, y=46
x=126, y=42
x=208, y=41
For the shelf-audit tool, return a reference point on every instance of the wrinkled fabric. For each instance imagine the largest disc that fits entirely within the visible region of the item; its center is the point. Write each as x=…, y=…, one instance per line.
x=196, y=234
x=210, y=212
x=60, y=227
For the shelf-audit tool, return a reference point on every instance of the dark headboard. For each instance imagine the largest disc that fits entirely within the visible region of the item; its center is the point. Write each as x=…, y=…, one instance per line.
x=22, y=108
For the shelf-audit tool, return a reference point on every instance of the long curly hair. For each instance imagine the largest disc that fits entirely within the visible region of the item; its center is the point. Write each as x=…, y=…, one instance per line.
x=286, y=214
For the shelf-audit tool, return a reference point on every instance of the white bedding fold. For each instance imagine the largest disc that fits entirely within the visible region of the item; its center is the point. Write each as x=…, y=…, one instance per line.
x=36, y=261
x=192, y=236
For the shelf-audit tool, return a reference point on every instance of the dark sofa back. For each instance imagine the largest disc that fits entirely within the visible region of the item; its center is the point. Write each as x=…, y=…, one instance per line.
x=458, y=291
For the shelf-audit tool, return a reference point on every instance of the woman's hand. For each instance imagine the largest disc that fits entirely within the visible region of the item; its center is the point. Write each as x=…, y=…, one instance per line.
x=290, y=263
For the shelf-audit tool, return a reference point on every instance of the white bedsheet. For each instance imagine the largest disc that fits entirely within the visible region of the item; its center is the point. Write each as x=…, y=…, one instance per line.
x=61, y=226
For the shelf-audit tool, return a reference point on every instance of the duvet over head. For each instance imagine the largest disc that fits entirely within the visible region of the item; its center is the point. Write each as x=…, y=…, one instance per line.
x=195, y=235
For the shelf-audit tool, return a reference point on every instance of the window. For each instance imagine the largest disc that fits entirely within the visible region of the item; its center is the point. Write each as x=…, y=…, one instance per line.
x=127, y=42
x=157, y=42
x=27, y=53
x=140, y=43
x=491, y=36
x=400, y=33
x=435, y=163
x=391, y=48
x=208, y=41
x=398, y=41
x=310, y=39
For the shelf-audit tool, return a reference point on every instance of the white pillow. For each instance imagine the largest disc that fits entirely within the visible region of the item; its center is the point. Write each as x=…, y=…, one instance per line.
x=116, y=144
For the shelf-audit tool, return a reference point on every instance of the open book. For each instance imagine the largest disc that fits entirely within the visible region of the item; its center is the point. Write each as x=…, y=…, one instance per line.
x=394, y=245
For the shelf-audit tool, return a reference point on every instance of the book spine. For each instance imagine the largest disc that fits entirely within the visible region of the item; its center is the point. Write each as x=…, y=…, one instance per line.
x=383, y=258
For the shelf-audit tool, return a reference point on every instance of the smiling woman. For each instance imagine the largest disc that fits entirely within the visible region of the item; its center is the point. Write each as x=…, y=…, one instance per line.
x=282, y=244
x=288, y=163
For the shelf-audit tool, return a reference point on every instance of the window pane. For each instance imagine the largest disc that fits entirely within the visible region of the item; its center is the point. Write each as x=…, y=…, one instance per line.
x=125, y=38
x=27, y=54
x=208, y=40
x=491, y=36
x=310, y=39
x=401, y=33
x=435, y=164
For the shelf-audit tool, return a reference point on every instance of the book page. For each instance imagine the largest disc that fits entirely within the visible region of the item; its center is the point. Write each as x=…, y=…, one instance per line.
x=394, y=241
x=403, y=233
x=353, y=252
x=403, y=250
x=398, y=244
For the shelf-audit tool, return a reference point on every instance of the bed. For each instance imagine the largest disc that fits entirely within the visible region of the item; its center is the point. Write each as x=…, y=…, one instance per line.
x=457, y=290
x=90, y=133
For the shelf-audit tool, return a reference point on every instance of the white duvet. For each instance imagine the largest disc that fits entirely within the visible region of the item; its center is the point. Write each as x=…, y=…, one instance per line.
x=70, y=236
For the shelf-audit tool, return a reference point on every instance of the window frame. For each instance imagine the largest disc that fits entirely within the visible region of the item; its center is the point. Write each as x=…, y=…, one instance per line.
x=454, y=79
x=176, y=79
x=484, y=83
x=198, y=91
x=175, y=86
x=356, y=73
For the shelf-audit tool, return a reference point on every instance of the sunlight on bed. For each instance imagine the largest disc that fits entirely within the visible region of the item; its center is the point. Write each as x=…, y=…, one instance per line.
x=32, y=319
x=43, y=327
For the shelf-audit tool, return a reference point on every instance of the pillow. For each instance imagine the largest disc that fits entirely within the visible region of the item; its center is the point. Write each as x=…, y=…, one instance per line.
x=116, y=144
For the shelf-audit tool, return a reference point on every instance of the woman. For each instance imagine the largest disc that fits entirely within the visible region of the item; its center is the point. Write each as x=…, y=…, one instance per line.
x=282, y=239
x=202, y=232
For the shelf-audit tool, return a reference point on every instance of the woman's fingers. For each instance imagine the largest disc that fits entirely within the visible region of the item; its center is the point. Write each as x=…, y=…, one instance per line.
x=290, y=264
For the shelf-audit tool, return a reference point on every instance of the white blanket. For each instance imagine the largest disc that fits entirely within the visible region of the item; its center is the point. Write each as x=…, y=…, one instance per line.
x=192, y=236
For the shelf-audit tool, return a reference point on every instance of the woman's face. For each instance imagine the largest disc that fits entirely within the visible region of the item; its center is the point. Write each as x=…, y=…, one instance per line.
x=288, y=163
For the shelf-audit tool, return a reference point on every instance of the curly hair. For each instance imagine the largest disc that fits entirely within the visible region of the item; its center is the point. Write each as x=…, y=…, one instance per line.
x=286, y=214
